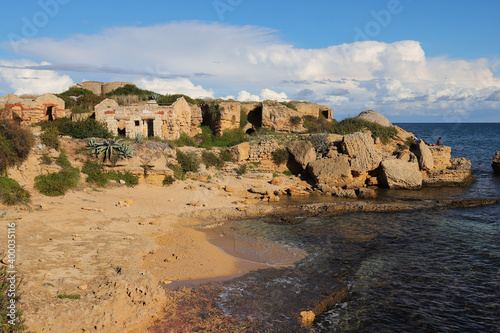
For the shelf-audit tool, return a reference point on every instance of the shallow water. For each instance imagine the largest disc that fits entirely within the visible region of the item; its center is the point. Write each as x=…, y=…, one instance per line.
x=419, y=271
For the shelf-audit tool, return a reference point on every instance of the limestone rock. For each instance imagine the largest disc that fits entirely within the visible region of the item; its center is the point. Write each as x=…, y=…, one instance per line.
x=496, y=162
x=425, y=158
x=331, y=171
x=364, y=157
x=366, y=193
x=307, y=318
x=228, y=188
x=460, y=164
x=347, y=193
x=240, y=152
x=374, y=117
x=441, y=156
x=447, y=177
x=279, y=118
x=398, y=174
x=302, y=151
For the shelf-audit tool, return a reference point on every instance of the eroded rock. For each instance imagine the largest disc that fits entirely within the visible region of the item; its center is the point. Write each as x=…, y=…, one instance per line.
x=398, y=174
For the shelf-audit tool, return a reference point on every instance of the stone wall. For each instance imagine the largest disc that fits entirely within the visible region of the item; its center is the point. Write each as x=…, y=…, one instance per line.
x=229, y=116
x=29, y=111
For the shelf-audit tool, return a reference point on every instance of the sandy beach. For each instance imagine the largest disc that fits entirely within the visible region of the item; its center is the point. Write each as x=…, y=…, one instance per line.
x=120, y=248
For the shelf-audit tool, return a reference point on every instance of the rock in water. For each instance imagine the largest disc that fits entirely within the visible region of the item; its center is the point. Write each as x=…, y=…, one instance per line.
x=398, y=174
x=375, y=117
x=425, y=158
x=496, y=162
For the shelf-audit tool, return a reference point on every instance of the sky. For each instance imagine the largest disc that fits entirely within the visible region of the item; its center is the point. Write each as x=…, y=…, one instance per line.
x=411, y=60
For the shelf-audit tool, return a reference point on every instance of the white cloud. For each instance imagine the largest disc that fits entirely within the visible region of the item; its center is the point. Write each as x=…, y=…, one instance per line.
x=23, y=78
x=174, y=86
x=390, y=76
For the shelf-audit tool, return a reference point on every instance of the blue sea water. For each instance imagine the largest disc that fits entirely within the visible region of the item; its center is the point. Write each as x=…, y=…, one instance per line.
x=426, y=271
x=418, y=271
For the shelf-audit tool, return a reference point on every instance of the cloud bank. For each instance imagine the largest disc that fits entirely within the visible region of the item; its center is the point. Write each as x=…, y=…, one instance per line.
x=252, y=63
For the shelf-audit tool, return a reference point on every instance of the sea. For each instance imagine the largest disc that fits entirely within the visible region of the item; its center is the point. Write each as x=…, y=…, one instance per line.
x=418, y=271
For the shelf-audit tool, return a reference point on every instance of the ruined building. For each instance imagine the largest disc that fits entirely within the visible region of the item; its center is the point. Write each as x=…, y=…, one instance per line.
x=100, y=88
x=28, y=111
x=149, y=119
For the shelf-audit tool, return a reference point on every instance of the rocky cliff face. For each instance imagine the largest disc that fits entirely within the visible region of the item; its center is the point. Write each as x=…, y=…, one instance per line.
x=279, y=118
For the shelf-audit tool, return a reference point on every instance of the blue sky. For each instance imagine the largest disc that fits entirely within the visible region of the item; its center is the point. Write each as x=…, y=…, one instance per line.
x=412, y=60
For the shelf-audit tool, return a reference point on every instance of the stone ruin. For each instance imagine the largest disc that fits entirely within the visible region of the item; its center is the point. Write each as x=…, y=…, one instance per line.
x=29, y=111
x=100, y=88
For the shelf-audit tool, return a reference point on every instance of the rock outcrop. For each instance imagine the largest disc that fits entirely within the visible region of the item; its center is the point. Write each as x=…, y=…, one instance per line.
x=425, y=157
x=331, y=171
x=277, y=117
x=398, y=174
x=240, y=152
x=374, y=117
x=302, y=152
x=364, y=157
x=496, y=162
x=441, y=156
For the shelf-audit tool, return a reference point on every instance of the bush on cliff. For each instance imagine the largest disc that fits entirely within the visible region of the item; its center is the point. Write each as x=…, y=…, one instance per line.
x=82, y=129
x=50, y=137
x=15, y=144
x=352, y=125
x=56, y=184
x=11, y=193
x=189, y=162
x=280, y=156
x=96, y=175
x=211, y=159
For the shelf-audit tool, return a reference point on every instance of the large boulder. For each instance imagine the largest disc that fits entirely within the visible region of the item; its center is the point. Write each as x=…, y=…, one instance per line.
x=303, y=152
x=364, y=157
x=331, y=171
x=399, y=174
x=441, y=156
x=496, y=162
x=425, y=158
x=240, y=152
x=374, y=117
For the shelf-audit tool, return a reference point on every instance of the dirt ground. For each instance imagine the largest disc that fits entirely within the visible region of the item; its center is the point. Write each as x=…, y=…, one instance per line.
x=117, y=248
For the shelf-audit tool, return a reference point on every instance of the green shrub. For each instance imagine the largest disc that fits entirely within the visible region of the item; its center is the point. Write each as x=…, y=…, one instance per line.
x=46, y=159
x=280, y=156
x=243, y=118
x=287, y=173
x=5, y=299
x=63, y=161
x=210, y=159
x=74, y=91
x=226, y=156
x=410, y=142
x=189, y=162
x=82, y=129
x=352, y=125
x=241, y=170
x=95, y=172
x=178, y=172
x=318, y=125
x=68, y=296
x=11, y=193
x=295, y=120
x=15, y=144
x=289, y=105
x=183, y=141
x=50, y=137
x=130, y=179
x=168, y=180
x=56, y=184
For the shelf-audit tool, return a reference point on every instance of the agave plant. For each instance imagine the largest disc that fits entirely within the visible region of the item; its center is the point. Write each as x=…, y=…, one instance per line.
x=110, y=150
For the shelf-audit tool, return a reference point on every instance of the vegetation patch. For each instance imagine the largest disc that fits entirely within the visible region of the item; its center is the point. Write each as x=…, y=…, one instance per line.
x=56, y=184
x=99, y=177
x=241, y=170
x=189, y=162
x=50, y=137
x=178, y=172
x=353, y=125
x=168, y=180
x=15, y=144
x=280, y=156
x=110, y=150
x=211, y=159
x=82, y=129
x=11, y=193
x=68, y=296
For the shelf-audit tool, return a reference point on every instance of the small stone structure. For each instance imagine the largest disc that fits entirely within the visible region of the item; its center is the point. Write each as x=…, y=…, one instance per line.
x=149, y=119
x=100, y=88
x=314, y=110
x=28, y=111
